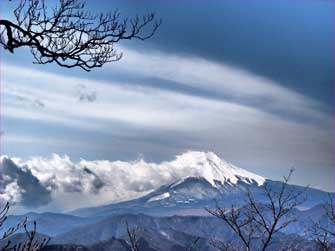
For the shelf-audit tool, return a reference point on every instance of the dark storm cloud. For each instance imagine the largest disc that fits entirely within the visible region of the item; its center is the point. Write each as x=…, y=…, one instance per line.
x=27, y=188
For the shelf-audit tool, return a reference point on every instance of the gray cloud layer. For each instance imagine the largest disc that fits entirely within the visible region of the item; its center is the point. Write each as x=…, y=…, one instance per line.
x=19, y=185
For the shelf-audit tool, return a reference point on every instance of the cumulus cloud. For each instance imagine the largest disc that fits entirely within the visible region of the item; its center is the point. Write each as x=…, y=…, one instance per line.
x=90, y=183
x=11, y=192
x=63, y=175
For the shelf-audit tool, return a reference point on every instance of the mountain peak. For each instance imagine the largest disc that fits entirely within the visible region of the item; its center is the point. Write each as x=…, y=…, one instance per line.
x=209, y=166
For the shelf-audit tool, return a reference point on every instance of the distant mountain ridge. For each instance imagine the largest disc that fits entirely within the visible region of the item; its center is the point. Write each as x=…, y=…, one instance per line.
x=156, y=233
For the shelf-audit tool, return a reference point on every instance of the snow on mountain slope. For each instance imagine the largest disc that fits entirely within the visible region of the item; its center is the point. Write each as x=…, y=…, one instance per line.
x=92, y=183
x=159, y=197
x=211, y=167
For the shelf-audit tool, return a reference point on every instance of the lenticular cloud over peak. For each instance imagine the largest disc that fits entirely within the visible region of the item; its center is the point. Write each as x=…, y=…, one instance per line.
x=70, y=184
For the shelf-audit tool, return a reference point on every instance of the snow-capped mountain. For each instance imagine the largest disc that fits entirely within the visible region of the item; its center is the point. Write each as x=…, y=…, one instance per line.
x=92, y=183
x=191, y=195
x=210, y=167
x=204, y=178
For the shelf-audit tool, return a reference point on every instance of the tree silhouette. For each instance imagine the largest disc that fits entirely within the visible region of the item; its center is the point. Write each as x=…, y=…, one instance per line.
x=31, y=244
x=134, y=242
x=132, y=238
x=256, y=224
x=70, y=36
x=323, y=232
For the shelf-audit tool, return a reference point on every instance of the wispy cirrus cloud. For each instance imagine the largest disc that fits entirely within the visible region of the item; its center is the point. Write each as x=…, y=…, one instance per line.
x=242, y=92
x=227, y=81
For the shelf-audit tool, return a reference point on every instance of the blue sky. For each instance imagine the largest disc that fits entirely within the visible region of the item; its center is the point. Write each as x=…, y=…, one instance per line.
x=250, y=81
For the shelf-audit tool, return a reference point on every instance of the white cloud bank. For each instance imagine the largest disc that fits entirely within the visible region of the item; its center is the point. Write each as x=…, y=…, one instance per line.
x=91, y=183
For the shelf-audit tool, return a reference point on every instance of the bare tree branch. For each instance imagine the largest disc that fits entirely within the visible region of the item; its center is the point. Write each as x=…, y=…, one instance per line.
x=240, y=221
x=70, y=36
x=323, y=233
x=132, y=238
x=223, y=246
x=31, y=244
x=193, y=244
x=261, y=222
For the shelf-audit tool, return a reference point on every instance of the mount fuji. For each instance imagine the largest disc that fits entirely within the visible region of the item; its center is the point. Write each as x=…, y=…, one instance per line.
x=213, y=169
x=206, y=179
